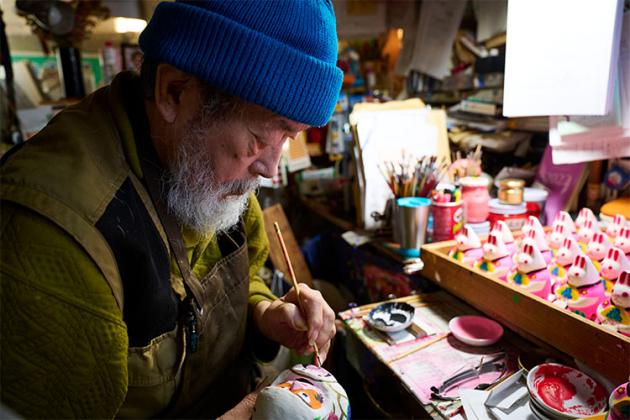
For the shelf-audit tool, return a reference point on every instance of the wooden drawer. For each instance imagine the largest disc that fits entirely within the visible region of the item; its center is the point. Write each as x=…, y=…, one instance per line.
x=534, y=318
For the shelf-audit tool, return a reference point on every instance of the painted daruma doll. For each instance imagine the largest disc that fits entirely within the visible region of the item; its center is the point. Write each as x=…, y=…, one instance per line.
x=496, y=257
x=611, y=266
x=613, y=229
x=502, y=229
x=531, y=272
x=615, y=312
x=303, y=393
x=622, y=241
x=468, y=249
x=597, y=248
x=584, y=290
x=564, y=258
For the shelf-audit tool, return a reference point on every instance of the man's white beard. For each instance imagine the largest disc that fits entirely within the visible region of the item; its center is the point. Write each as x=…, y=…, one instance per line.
x=196, y=199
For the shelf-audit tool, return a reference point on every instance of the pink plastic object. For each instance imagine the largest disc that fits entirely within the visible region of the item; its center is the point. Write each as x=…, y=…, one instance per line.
x=565, y=392
x=476, y=330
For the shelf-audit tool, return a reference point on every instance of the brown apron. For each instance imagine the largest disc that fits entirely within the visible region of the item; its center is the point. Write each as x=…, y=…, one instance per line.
x=203, y=367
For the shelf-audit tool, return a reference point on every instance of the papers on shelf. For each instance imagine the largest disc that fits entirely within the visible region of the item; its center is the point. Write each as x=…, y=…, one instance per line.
x=438, y=24
x=561, y=57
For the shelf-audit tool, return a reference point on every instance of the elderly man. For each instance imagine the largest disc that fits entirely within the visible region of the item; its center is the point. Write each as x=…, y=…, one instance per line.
x=130, y=235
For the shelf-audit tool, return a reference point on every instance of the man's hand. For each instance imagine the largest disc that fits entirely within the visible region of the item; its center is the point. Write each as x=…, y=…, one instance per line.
x=281, y=321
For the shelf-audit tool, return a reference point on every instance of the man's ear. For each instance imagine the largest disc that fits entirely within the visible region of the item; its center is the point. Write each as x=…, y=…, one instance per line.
x=170, y=84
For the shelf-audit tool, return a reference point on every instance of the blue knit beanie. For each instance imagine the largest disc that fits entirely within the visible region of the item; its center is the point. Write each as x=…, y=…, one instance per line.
x=279, y=54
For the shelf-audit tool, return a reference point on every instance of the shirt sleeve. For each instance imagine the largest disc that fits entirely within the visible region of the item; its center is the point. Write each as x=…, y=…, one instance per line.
x=64, y=343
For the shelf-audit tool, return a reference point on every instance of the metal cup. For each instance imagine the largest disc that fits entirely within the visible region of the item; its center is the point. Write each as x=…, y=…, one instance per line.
x=410, y=224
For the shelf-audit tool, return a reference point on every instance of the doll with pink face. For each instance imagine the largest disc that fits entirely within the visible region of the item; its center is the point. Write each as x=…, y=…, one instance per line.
x=615, y=311
x=496, y=257
x=613, y=229
x=531, y=272
x=468, y=249
x=504, y=231
x=584, y=290
x=303, y=393
x=597, y=248
x=622, y=241
x=538, y=236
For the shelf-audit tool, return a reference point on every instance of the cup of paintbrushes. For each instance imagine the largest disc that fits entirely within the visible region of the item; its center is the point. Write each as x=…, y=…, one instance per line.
x=409, y=223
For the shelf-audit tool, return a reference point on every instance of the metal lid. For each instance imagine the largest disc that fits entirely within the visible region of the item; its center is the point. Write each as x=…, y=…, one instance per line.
x=511, y=183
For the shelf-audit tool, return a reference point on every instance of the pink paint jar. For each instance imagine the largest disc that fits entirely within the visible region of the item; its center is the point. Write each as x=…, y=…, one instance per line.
x=475, y=196
x=514, y=215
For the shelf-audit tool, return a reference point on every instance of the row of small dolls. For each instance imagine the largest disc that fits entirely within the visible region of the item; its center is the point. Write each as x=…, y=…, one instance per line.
x=575, y=269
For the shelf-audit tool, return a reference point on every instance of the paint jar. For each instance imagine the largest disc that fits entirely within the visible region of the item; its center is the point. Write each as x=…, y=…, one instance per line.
x=448, y=219
x=511, y=191
x=514, y=216
x=535, y=201
x=409, y=220
x=475, y=196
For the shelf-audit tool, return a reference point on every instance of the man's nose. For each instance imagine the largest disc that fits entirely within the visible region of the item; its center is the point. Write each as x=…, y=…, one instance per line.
x=267, y=163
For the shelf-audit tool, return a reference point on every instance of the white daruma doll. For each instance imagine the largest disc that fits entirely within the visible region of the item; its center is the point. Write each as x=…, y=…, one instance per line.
x=502, y=229
x=586, y=232
x=563, y=218
x=532, y=223
x=538, y=236
x=556, y=237
x=496, y=257
x=531, y=272
x=584, y=290
x=613, y=229
x=468, y=249
x=615, y=312
x=612, y=266
x=303, y=393
x=562, y=261
x=597, y=248
x=583, y=216
x=622, y=241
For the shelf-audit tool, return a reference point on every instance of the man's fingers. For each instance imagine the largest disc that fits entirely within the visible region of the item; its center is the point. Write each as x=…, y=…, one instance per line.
x=291, y=313
x=312, y=305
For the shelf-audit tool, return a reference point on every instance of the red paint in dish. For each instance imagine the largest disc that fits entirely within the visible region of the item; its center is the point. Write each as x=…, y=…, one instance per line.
x=555, y=390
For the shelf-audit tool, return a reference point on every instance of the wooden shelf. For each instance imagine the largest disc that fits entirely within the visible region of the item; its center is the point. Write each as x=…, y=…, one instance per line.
x=530, y=316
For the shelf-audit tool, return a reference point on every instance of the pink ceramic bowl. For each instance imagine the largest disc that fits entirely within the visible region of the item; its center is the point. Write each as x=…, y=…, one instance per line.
x=476, y=330
x=565, y=392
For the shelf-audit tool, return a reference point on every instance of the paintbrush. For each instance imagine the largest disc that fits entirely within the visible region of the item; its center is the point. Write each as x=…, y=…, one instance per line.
x=295, y=284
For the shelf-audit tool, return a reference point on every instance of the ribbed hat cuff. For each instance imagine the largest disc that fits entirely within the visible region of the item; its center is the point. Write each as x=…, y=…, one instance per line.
x=243, y=62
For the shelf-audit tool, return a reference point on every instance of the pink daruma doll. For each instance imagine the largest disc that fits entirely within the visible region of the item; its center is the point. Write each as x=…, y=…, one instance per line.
x=496, y=257
x=584, y=290
x=615, y=312
x=531, y=270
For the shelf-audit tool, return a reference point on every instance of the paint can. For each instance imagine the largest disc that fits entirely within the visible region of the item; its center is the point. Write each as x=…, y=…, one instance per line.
x=448, y=219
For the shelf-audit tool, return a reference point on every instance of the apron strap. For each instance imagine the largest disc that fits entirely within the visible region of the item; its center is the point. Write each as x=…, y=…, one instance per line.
x=152, y=175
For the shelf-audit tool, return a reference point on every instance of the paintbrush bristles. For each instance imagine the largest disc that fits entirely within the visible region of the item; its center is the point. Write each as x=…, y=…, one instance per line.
x=409, y=178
